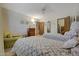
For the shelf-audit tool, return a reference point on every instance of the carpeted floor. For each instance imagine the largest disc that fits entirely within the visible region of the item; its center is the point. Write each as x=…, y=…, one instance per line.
x=7, y=52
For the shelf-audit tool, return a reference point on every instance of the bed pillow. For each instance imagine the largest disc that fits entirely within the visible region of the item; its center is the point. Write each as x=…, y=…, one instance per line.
x=75, y=26
x=70, y=34
x=70, y=43
x=55, y=37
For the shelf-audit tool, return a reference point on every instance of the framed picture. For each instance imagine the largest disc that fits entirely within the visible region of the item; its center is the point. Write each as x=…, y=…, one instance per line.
x=48, y=27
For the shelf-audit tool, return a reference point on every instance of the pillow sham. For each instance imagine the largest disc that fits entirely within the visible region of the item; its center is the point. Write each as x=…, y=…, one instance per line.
x=70, y=43
x=70, y=34
x=75, y=26
x=55, y=37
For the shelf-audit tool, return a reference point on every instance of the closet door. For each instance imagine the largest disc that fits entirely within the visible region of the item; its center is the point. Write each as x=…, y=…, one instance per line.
x=40, y=27
x=1, y=37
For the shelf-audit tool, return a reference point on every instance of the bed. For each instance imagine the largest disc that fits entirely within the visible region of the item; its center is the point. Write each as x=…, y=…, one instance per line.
x=57, y=45
x=39, y=46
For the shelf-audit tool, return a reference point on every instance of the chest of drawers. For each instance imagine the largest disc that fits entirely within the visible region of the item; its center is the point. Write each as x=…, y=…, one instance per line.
x=31, y=32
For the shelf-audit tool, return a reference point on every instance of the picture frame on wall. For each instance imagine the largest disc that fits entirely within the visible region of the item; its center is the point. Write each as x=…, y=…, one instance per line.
x=48, y=27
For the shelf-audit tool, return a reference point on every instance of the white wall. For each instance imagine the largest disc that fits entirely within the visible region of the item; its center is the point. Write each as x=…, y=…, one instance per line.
x=53, y=12
x=14, y=22
x=1, y=36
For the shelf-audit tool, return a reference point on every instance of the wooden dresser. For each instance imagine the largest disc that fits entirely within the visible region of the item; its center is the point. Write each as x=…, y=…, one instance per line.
x=31, y=32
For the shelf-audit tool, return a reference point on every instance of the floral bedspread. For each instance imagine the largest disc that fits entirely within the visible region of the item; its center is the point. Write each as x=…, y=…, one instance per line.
x=39, y=46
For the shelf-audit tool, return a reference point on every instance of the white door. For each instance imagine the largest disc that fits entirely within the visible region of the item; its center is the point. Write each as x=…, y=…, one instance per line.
x=1, y=37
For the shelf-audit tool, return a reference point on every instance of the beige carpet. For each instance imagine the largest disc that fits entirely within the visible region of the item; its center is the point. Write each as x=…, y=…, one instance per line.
x=8, y=52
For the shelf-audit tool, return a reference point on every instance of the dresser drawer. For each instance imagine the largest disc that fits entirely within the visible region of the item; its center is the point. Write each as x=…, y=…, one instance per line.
x=31, y=32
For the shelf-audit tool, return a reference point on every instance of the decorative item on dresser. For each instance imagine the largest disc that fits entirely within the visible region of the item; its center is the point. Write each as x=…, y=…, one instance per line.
x=31, y=32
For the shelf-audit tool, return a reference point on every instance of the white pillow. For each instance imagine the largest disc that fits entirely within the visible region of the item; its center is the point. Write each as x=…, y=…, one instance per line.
x=55, y=37
x=70, y=43
x=75, y=26
x=70, y=34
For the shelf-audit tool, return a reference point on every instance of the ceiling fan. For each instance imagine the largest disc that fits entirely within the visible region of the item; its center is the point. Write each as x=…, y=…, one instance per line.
x=45, y=8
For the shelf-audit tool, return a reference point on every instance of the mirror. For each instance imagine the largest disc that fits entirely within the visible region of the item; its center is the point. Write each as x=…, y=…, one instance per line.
x=48, y=26
x=63, y=24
